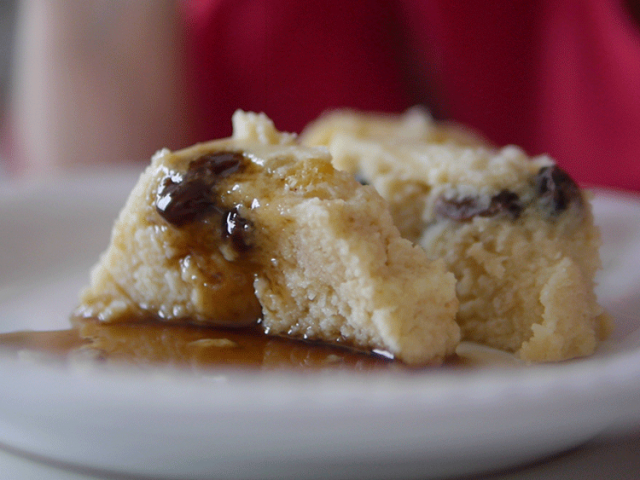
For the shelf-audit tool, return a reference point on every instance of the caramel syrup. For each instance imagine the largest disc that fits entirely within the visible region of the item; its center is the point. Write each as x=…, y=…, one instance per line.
x=158, y=344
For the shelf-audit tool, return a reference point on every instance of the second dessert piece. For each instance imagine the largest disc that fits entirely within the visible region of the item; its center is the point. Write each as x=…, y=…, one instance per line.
x=518, y=233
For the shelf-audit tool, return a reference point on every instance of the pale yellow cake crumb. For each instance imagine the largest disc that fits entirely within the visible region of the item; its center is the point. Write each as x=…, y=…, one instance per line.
x=517, y=233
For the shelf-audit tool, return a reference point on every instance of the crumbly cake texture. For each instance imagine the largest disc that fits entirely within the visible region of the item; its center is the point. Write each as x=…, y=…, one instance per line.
x=416, y=124
x=256, y=226
x=517, y=232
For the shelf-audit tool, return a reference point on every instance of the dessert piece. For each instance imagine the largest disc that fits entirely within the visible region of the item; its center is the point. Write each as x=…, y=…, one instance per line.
x=256, y=227
x=517, y=232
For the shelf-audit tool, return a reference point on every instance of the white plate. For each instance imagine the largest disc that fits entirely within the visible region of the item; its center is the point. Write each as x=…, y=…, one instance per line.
x=168, y=424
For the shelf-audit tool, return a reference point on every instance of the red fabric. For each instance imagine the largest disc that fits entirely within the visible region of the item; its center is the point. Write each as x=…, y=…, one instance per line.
x=558, y=77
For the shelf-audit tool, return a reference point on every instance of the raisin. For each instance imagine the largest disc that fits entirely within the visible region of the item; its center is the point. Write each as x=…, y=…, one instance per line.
x=216, y=165
x=505, y=202
x=193, y=197
x=556, y=189
x=237, y=230
x=184, y=202
x=459, y=210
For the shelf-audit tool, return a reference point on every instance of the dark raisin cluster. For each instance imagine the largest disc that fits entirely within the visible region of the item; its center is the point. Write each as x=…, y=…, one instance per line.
x=554, y=188
x=193, y=197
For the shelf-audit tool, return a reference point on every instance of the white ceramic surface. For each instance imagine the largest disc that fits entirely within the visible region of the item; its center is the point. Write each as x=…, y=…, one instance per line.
x=223, y=424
